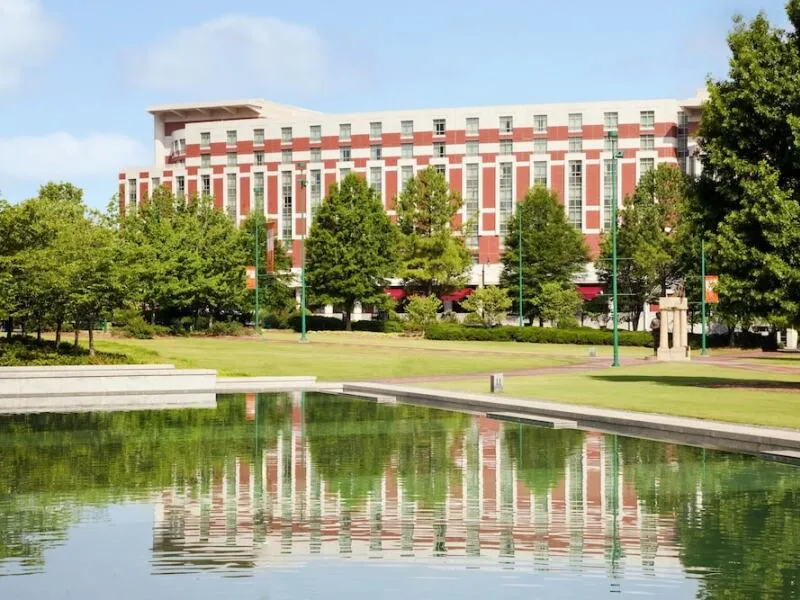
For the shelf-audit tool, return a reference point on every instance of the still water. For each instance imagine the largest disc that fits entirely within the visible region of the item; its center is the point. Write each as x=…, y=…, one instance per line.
x=316, y=496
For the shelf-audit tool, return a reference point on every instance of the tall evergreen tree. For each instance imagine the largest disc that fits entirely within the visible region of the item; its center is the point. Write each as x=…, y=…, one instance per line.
x=433, y=259
x=553, y=251
x=351, y=248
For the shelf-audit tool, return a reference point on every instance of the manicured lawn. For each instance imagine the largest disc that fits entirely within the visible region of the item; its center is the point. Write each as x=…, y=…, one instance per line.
x=692, y=390
x=338, y=356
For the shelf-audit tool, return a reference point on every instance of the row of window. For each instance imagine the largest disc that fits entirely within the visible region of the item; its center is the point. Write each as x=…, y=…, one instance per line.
x=505, y=201
x=505, y=125
x=472, y=148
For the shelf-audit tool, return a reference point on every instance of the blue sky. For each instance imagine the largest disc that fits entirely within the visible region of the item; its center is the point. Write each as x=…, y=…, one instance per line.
x=76, y=75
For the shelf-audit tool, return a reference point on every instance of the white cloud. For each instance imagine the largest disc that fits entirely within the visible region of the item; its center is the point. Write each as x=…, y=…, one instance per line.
x=64, y=156
x=237, y=53
x=27, y=37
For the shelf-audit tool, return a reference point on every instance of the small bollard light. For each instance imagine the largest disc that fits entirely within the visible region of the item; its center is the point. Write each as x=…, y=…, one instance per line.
x=496, y=383
x=592, y=352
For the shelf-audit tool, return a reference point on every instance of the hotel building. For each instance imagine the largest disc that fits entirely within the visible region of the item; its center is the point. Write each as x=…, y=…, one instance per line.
x=253, y=154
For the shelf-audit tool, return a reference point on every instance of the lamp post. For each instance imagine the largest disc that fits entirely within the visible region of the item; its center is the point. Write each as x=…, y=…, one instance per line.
x=519, y=253
x=258, y=282
x=302, y=167
x=703, y=351
x=615, y=154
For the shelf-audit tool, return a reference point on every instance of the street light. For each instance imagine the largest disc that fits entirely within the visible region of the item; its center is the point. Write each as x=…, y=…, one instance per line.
x=302, y=167
x=519, y=252
x=615, y=154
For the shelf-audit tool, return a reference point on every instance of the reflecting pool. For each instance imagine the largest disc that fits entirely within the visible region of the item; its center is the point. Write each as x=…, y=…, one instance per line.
x=307, y=495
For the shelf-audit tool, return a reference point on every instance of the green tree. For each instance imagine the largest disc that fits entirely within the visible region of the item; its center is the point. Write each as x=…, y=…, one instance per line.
x=749, y=199
x=558, y=303
x=552, y=249
x=434, y=259
x=490, y=304
x=421, y=311
x=350, y=250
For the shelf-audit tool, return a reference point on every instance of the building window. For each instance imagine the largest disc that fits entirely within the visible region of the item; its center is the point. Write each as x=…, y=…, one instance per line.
x=344, y=153
x=540, y=173
x=376, y=180
x=316, y=155
x=182, y=145
x=132, y=192
x=315, y=133
x=406, y=150
x=344, y=132
x=647, y=119
x=506, y=124
x=540, y=146
x=286, y=206
x=473, y=148
x=439, y=150
x=540, y=123
x=406, y=174
x=575, y=144
x=286, y=157
x=473, y=126
x=344, y=172
x=258, y=137
x=611, y=121
x=230, y=205
x=575, y=122
x=375, y=130
x=259, y=157
x=575, y=194
x=231, y=137
x=315, y=191
x=439, y=126
x=607, y=144
x=406, y=129
x=231, y=159
x=375, y=152
x=205, y=139
x=205, y=160
x=441, y=170
x=471, y=200
x=647, y=142
x=155, y=183
x=286, y=135
x=608, y=193
x=258, y=192
x=205, y=185
x=645, y=165
x=505, y=201
x=506, y=147
x=181, y=186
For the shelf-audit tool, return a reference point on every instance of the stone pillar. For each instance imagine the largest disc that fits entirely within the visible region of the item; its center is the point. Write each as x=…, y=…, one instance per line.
x=791, y=339
x=676, y=307
x=664, y=340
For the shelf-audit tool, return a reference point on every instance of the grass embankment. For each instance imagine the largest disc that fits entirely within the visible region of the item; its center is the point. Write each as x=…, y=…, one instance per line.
x=342, y=356
x=699, y=390
x=27, y=351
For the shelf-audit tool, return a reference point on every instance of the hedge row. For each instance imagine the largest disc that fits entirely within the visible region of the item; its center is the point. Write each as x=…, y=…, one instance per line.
x=537, y=335
x=321, y=323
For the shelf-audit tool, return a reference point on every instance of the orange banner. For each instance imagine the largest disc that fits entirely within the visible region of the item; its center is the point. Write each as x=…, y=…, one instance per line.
x=251, y=277
x=712, y=297
x=272, y=227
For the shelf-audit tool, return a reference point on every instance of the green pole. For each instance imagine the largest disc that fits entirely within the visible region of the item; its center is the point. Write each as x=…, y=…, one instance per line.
x=303, y=337
x=258, y=282
x=615, y=312
x=519, y=252
x=703, y=351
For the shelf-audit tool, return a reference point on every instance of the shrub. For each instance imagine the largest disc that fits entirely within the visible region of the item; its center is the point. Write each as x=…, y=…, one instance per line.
x=316, y=323
x=21, y=351
x=226, y=328
x=422, y=311
x=537, y=335
x=379, y=326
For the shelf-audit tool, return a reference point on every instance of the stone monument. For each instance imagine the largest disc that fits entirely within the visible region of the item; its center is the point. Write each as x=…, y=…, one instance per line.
x=674, y=309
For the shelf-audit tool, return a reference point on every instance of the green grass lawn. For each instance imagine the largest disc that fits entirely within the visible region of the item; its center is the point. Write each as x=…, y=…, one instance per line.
x=691, y=390
x=336, y=356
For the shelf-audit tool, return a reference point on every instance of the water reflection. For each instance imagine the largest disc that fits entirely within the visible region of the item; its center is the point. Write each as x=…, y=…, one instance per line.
x=279, y=480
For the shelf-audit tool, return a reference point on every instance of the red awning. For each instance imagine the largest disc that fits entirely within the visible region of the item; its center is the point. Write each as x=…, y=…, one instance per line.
x=590, y=291
x=457, y=296
x=397, y=294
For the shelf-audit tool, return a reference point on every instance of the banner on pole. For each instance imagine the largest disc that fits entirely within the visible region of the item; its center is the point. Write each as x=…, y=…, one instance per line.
x=272, y=228
x=712, y=297
x=251, y=277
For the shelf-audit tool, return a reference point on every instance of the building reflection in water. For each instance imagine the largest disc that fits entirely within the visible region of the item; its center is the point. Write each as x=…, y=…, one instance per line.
x=480, y=493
